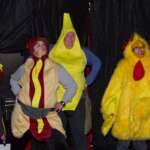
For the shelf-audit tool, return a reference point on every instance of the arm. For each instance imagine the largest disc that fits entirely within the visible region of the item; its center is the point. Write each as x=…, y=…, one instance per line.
x=110, y=100
x=69, y=85
x=95, y=63
x=15, y=77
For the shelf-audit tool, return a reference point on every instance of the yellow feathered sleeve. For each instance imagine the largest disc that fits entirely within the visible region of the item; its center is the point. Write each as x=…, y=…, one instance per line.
x=109, y=104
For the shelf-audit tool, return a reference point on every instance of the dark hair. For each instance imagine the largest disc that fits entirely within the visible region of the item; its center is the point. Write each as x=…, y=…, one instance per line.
x=32, y=41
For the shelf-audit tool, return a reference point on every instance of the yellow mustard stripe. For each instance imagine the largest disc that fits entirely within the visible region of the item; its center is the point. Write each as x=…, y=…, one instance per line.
x=40, y=125
x=36, y=82
x=37, y=93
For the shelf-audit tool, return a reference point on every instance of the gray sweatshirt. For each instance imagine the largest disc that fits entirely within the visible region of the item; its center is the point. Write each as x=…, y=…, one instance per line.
x=64, y=78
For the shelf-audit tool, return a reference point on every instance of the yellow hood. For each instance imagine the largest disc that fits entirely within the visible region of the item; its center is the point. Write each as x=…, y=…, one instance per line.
x=60, y=53
x=136, y=41
x=73, y=60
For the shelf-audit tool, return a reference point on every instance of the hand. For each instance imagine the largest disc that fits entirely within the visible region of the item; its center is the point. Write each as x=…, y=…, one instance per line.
x=59, y=107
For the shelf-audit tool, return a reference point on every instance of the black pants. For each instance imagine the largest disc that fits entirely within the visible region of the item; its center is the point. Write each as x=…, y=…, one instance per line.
x=76, y=121
x=56, y=142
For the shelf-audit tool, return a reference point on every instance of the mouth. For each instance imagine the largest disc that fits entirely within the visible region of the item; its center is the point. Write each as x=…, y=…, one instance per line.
x=141, y=54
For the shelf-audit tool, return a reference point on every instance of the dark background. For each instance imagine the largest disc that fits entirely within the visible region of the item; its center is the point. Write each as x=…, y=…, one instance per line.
x=21, y=19
x=112, y=22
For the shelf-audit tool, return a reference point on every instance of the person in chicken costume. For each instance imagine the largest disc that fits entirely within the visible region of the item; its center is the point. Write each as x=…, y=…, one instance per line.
x=68, y=52
x=126, y=102
x=35, y=84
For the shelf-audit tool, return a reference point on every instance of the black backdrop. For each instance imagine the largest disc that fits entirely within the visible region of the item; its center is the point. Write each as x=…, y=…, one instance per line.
x=113, y=22
x=21, y=19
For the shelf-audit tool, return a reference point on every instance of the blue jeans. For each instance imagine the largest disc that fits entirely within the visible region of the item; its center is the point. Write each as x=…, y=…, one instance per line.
x=138, y=145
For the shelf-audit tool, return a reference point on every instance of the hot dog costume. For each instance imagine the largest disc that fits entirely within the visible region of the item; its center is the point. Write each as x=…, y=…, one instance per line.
x=126, y=102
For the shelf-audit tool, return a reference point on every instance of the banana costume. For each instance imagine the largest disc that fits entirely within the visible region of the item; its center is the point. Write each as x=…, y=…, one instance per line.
x=73, y=60
x=126, y=102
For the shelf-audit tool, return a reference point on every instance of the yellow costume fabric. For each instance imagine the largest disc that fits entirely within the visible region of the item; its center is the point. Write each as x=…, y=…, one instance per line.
x=38, y=91
x=21, y=122
x=1, y=67
x=126, y=102
x=73, y=60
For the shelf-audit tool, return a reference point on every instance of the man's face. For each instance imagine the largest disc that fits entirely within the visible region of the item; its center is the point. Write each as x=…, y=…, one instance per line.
x=69, y=40
x=139, y=51
x=39, y=49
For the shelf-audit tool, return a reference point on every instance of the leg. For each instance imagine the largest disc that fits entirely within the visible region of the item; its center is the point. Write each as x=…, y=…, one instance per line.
x=63, y=117
x=76, y=123
x=38, y=145
x=20, y=144
x=140, y=145
x=123, y=145
x=57, y=141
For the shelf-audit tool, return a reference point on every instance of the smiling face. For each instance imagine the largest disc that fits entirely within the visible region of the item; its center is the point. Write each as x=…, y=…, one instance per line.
x=39, y=49
x=69, y=40
x=139, y=51
x=138, y=48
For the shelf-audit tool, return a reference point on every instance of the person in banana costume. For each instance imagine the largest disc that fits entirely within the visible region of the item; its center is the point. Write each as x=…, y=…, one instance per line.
x=35, y=84
x=125, y=105
x=68, y=52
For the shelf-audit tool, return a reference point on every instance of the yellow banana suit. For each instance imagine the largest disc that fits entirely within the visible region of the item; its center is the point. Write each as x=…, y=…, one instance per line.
x=73, y=60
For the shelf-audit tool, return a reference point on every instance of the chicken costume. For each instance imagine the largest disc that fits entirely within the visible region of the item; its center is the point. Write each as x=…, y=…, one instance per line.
x=126, y=102
x=73, y=60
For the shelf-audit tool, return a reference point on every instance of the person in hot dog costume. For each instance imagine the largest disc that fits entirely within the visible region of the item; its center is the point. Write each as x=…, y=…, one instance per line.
x=35, y=84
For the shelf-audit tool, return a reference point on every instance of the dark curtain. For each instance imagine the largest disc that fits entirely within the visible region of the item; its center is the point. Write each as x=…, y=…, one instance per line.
x=113, y=23
x=21, y=19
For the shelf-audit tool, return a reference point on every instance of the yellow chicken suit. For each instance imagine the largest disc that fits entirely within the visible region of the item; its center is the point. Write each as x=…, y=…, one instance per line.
x=125, y=105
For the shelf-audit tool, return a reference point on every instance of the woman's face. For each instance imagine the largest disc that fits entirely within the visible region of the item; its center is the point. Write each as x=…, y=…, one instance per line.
x=139, y=51
x=39, y=49
x=69, y=40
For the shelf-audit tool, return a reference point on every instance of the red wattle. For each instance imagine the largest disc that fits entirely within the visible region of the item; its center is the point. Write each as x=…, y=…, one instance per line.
x=138, y=72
